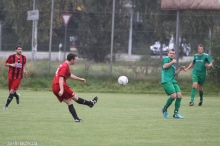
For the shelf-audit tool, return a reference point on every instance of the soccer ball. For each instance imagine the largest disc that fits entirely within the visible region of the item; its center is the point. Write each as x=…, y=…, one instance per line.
x=122, y=80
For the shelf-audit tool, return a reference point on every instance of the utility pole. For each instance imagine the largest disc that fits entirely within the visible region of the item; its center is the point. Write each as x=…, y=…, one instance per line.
x=34, y=34
x=51, y=27
x=112, y=35
x=177, y=39
x=130, y=34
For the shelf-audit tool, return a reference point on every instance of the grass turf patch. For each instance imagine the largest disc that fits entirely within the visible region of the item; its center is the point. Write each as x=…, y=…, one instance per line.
x=117, y=119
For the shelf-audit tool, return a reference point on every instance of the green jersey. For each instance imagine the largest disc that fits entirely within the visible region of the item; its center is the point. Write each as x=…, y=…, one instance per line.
x=168, y=74
x=199, y=63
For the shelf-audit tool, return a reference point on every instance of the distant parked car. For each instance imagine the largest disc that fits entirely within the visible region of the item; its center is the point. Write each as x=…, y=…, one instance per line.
x=186, y=48
x=155, y=49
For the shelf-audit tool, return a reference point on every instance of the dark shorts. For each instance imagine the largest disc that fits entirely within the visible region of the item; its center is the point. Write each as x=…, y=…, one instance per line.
x=67, y=94
x=13, y=84
x=200, y=79
x=171, y=88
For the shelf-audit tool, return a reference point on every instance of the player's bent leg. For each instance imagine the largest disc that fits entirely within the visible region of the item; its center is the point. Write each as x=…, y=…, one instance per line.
x=74, y=97
x=17, y=96
x=168, y=103
x=170, y=100
x=85, y=102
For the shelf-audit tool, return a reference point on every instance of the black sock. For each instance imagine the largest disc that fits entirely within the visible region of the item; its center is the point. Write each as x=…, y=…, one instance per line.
x=16, y=95
x=73, y=111
x=83, y=101
x=10, y=97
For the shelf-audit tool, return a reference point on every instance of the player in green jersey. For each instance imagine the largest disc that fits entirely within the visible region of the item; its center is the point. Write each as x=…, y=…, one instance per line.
x=201, y=61
x=170, y=85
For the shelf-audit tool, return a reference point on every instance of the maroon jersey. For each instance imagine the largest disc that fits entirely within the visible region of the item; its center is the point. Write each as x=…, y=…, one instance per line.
x=17, y=71
x=62, y=71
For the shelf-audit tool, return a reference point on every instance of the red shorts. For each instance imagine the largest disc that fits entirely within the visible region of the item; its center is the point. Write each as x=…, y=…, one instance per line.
x=67, y=94
x=13, y=84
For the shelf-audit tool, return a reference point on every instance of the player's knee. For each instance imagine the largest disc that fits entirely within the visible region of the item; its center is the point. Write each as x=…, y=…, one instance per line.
x=195, y=84
x=200, y=88
x=74, y=97
x=173, y=95
x=68, y=102
x=12, y=91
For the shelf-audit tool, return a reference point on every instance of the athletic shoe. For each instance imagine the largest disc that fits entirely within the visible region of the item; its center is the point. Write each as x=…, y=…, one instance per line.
x=17, y=99
x=78, y=120
x=94, y=101
x=165, y=114
x=191, y=104
x=178, y=116
x=200, y=103
x=5, y=107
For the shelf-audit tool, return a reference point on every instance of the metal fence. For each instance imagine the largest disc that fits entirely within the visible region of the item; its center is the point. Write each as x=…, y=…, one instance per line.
x=141, y=28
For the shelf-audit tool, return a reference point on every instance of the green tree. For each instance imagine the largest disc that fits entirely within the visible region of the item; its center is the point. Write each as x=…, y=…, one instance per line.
x=15, y=12
x=159, y=25
x=96, y=22
x=214, y=72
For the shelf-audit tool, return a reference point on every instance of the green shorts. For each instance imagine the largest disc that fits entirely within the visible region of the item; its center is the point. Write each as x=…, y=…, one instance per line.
x=200, y=79
x=171, y=88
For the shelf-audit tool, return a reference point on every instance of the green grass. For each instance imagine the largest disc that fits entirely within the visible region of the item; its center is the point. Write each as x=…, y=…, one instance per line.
x=116, y=120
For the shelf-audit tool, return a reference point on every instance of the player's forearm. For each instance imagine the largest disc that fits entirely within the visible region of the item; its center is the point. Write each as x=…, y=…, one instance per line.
x=24, y=67
x=9, y=65
x=61, y=83
x=190, y=66
x=210, y=64
x=72, y=76
x=167, y=65
x=177, y=71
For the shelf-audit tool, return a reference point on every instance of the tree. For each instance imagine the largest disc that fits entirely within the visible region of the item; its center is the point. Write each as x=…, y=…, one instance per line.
x=159, y=25
x=91, y=23
x=214, y=72
x=94, y=40
x=15, y=12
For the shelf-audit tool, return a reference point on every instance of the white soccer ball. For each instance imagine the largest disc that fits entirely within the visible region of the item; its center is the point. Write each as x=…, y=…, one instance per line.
x=122, y=80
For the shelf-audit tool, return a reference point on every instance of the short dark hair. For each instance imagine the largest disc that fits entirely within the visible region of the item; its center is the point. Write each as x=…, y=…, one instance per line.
x=71, y=56
x=200, y=45
x=18, y=46
x=172, y=50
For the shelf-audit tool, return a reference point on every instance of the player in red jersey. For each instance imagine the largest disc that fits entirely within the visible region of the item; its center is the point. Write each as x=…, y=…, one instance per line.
x=16, y=64
x=63, y=91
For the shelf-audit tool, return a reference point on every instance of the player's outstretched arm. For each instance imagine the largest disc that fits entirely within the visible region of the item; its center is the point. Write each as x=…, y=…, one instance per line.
x=72, y=76
x=180, y=69
x=190, y=66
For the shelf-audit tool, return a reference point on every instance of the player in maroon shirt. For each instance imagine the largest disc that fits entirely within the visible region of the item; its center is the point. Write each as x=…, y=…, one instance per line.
x=63, y=91
x=16, y=64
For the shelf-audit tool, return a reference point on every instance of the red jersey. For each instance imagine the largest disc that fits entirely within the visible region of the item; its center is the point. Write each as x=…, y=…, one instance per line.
x=62, y=71
x=17, y=71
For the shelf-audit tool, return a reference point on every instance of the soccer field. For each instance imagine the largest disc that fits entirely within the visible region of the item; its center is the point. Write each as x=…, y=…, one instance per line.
x=116, y=120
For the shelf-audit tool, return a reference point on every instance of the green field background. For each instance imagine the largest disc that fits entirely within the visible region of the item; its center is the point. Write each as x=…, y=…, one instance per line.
x=116, y=120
